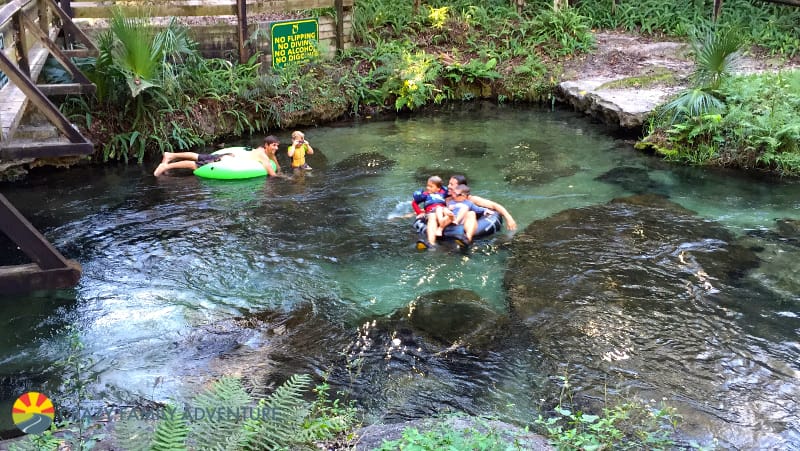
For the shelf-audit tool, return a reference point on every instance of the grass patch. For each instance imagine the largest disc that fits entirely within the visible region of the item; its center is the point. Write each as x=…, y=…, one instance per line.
x=655, y=76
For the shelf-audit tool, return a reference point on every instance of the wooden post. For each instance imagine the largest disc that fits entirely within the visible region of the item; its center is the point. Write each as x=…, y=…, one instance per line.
x=339, y=25
x=66, y=6
x=717, y=11
x=51, y=271
x=69, y=39
x=19, y=44
x=241, y=12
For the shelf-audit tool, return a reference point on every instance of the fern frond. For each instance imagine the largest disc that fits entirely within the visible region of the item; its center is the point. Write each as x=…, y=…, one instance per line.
x=134, y=435
x=224, y=407
x=44, y=442
x=171, y=432
x=289, y=411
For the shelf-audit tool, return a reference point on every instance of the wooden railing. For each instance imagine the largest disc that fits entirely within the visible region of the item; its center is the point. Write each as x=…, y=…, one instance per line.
x=30, y=28
x=228, y=23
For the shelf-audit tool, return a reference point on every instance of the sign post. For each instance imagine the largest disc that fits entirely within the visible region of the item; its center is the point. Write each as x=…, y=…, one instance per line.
x=294, y=41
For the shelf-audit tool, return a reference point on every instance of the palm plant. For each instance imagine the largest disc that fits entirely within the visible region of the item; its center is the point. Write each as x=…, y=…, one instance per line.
x=717, y=55
x=136, y=53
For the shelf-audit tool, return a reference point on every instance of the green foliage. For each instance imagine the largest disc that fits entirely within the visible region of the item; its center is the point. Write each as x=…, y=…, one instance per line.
x=565, y=31
x=625, y=426
x=446, y=437
x=773, y=26
x=763, y=120
x=475, y=69
x=414, y=85
x=65, y=433
x=135, y=51
x=690, y=105
x=46, y=441
x=631, y=425
x=749, y=122
x=171, y=432
x=437, y=16
x=283, y=420
x=717, y=55
x=209, y=433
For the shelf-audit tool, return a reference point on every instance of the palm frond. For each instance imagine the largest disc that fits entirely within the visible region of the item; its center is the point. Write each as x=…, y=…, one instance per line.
x=717, y=55
x=691, y=103
x=136, y=53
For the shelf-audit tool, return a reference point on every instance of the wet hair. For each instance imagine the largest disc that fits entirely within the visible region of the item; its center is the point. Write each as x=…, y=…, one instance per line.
x=436, y=180
x=463, y=189
x=461, y=179
x=298, y=134
x=271, y=139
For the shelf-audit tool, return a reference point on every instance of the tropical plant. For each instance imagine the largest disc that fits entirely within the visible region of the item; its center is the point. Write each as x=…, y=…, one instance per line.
x=717, y=54
x=414, y=84
x=564, y=31
x=135, y=52
x=74, y=432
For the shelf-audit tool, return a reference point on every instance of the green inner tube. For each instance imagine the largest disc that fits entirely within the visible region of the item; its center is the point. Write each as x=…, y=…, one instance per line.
x=242, y=166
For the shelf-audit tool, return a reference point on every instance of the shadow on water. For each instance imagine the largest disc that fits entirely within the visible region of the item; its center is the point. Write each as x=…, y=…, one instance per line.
x=185, y=279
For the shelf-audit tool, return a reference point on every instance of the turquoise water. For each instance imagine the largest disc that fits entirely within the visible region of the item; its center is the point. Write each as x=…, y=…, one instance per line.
x=165, y=259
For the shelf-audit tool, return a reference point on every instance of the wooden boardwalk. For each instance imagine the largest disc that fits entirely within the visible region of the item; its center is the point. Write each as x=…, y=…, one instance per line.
x=30, y=26
x=28, y=34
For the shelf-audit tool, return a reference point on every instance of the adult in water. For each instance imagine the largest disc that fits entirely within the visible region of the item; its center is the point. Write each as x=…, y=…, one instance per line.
x=265, y=154
x=471, y=219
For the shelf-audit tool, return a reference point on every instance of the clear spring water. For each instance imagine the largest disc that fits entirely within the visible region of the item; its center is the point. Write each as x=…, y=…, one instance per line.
x=165, y=256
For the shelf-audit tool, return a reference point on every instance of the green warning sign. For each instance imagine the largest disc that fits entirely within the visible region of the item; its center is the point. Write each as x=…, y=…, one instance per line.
x=294, y=41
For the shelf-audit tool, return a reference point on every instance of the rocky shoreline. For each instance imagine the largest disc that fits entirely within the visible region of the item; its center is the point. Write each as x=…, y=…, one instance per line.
x=628, y=76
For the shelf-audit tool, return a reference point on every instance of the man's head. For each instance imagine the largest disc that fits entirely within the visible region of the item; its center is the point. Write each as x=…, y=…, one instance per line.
x=271, y=143
x=455, y=180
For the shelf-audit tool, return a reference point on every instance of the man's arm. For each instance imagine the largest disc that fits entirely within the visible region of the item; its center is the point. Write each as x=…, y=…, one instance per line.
x=265, y=161
x=511, y=224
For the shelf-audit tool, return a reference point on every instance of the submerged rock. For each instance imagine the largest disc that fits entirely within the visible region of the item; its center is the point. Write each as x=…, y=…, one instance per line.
x=641, y=298
x=634, y=180
x=640, y=248
x=449, y=316
x=438, y=354
x=368, y=163
x=523, y=166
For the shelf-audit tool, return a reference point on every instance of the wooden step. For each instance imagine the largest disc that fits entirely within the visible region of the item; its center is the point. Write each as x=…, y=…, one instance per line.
x=36, y=132
x=18, y=149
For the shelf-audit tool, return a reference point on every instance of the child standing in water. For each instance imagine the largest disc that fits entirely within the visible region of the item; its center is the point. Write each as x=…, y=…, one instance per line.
x=298, y=150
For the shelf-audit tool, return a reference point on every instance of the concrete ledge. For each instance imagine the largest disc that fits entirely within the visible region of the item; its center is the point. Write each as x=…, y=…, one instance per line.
x=622, y=108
